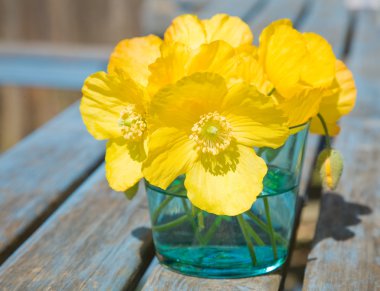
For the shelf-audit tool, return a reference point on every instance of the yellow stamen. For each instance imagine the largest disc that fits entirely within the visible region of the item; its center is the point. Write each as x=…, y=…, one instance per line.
x=212, y=133
x=132, y=124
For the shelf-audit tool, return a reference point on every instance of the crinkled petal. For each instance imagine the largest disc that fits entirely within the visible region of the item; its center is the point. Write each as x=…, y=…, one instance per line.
x=340, y=103
x=170, y=67
x=234, y=190
x=104, y=97
x=181, y=105
x=255, y=118
x=282, y=53
x=171, y=154
x=186, y=29
x=231, y=29
x=134, y=56
x=302, y=107
x=123, y=163
x=217, y=57
x=319, y=66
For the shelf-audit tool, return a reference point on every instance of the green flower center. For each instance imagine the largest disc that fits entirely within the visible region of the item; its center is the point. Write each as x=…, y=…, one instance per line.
x=132, y=124
x=212, y=133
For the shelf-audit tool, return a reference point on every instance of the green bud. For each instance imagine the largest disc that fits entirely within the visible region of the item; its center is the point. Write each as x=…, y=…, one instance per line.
x=131, y=192
x=330, y=166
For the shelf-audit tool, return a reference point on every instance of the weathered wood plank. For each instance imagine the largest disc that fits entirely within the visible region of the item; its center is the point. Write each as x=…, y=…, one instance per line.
x=97, y=240
x=347, y=241
x=164, y=279
x=40, y=172
x=345, y=255
x=241, y=8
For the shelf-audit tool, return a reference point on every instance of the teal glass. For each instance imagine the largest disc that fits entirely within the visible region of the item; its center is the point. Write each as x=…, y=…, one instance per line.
x=194, y=242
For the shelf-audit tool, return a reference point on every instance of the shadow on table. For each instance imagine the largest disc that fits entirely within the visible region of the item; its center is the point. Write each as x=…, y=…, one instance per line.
x=337, y=216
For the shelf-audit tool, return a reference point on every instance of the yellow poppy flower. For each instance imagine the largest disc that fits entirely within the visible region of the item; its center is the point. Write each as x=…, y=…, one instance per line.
x=299, y=65
x=191, y=31
x=113, y=107
x=134, y=56
x=206, y=130
x=337, y=104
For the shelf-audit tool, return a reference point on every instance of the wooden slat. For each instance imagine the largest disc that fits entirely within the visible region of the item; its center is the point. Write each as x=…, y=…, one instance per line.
x=345, y=255
x=241, y=8
x=97, y=240
x=40, y=172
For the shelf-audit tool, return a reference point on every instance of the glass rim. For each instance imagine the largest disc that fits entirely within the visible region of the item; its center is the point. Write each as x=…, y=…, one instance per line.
x=165, y=192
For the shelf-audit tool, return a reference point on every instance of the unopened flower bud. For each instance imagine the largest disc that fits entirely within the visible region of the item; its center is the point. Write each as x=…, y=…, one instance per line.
x=330, y=166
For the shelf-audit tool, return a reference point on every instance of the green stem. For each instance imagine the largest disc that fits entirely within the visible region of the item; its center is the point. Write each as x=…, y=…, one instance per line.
x=191, y=220
x=247, y=240
x=171, y=224
x=272, y=239
x=163, y=204
x=324, y=125
x=213, y=228
x=254, y=235
x=264, y=227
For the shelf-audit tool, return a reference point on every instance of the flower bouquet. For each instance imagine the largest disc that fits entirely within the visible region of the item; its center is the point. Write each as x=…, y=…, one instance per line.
x=217, y=128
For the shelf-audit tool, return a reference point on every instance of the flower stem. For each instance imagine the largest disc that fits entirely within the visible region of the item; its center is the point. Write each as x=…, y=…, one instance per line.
x=169, y=225
x=264, y=227
x=272, y=239
x=163, y=204
x=191, y=220
x=254, y=235
x=213, y=228
x=247, y=239
x=324, y=125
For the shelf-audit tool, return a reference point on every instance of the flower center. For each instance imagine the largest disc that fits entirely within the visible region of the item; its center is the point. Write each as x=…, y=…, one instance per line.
x=132, y=124
x=212, y=133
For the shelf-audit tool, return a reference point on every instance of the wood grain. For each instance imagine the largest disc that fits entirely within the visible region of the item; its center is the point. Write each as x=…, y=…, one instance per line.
x=346, y=250
x=97, y=240
x=164, y=279
x=40, y=172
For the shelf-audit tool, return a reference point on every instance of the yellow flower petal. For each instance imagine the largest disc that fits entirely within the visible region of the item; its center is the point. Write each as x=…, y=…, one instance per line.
x=217, y=57
x=231, y=29
x=171, y=153
x=181, y=105
x=123, y=163
x=254, y=117
x=302, y=106
x=319, y=66
x=170, y=67
x=186, y=29
x=282, y=53
x=104, y=97
x=134, y=56
x=340, y=103
x=231, y=192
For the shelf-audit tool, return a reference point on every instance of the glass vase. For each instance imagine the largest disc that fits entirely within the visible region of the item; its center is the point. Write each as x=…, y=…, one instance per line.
x=194, y=242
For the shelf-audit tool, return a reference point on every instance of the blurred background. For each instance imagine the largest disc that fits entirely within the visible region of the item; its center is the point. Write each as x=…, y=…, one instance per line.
x=34, y=88
x=48, y=47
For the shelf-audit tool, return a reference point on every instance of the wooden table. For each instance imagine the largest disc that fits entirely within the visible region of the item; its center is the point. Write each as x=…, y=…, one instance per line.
x=62, y=228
